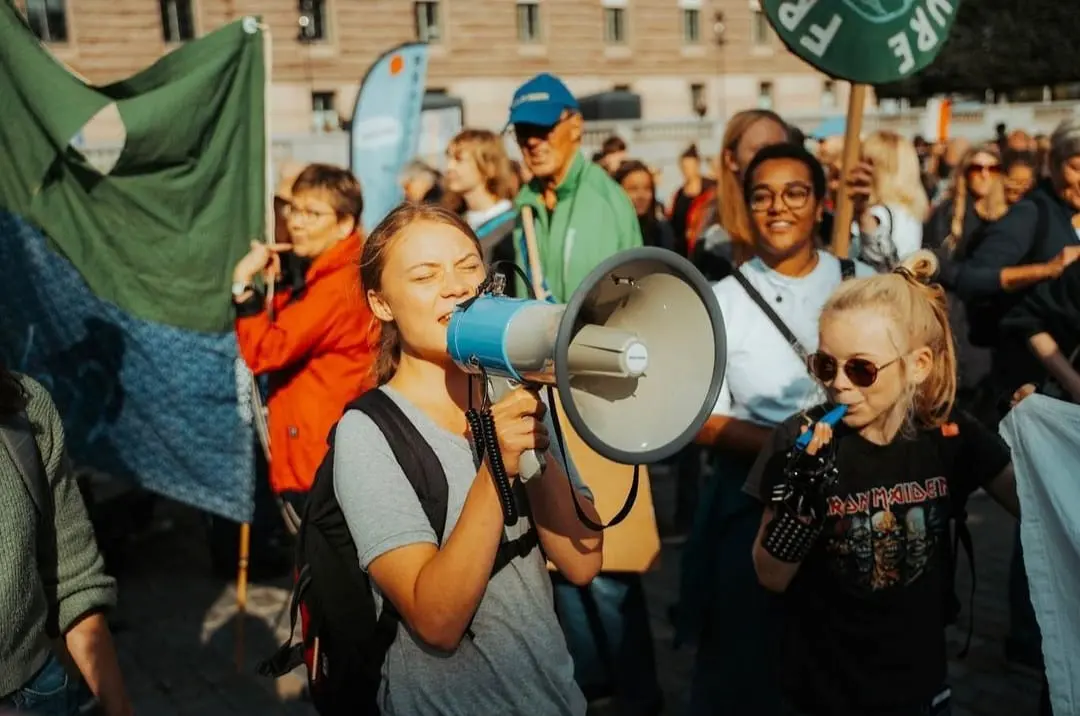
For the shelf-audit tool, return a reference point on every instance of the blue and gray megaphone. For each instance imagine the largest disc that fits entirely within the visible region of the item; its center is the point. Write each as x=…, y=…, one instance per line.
x=637, y=354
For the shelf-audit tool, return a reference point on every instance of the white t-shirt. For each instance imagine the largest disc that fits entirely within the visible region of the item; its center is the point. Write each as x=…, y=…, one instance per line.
x=476, y=219
x=766, y=382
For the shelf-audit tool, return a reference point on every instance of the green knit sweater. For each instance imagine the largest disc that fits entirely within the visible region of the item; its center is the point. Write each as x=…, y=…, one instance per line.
x=32, y=586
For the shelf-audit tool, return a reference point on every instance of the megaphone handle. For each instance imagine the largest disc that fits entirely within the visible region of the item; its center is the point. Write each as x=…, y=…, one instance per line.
x=531, y=464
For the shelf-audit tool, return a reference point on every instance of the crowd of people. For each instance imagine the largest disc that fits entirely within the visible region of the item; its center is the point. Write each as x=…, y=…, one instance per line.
x=957, y=298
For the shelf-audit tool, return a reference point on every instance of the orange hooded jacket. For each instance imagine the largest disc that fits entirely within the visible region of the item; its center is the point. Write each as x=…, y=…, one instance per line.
x=320, y=352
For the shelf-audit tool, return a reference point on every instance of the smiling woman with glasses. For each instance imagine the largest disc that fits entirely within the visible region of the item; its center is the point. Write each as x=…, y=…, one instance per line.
x=770, y=305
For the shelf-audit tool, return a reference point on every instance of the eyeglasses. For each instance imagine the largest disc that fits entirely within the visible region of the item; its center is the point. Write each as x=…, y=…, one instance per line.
x=860, y=371
x=795, y=196
x=991, y=169
x=307, y=215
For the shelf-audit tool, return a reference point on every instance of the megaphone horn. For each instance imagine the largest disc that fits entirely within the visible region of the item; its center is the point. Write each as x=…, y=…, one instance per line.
x=637, y=354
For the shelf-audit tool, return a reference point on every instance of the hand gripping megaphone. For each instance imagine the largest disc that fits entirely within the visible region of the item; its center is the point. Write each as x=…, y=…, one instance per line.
x=637, y=355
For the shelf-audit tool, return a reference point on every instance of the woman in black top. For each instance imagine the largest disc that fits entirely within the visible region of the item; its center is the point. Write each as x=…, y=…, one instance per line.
x=1034, y=242
x=862, y=559
x=957, y=225
x=976, y=198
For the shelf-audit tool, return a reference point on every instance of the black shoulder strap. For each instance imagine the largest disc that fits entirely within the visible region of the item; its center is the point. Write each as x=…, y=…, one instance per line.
x=770, y=313
x=847, y=269
x=413, y=452
x=17, y=437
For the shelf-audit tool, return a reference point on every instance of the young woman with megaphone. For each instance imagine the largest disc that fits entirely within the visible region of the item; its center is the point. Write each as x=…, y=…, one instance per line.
x=465, y=634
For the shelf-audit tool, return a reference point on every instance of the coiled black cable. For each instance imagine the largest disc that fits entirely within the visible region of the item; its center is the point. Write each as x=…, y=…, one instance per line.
x=482, y=425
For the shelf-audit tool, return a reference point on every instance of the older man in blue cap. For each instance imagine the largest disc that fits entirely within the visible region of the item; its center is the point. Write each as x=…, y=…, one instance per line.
x=581, y=217
x=579, y=214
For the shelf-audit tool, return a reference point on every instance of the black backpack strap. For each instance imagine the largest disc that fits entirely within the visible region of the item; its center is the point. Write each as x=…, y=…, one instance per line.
x=847, y=269
x=414, y=454
x=17, y=436
x=770, y=314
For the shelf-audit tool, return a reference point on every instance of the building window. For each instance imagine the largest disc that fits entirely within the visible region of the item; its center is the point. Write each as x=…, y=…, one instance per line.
x=828, y=94
x=765, y=95
x=313, y=20
x=759, y=29
x=177, y=23
x=428, y=28
x=324, y=118
x=697, y=99
x=47, y=19
x=528, y=22
x=615, y=25
x=691, y=26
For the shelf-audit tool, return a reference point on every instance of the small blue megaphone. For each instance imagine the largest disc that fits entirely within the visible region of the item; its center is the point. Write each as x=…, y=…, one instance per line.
x=636, y=355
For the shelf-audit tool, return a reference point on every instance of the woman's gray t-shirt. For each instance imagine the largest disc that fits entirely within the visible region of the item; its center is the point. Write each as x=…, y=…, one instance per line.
x=517, y=661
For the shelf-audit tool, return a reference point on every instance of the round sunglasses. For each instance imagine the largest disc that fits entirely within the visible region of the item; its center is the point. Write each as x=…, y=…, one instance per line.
x=862, y=372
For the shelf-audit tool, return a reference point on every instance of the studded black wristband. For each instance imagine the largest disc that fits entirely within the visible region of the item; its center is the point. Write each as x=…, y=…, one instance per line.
x=789, y=539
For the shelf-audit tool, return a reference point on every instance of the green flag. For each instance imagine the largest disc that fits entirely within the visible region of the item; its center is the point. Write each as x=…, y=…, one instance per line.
x=159, y=234
x=863, y=41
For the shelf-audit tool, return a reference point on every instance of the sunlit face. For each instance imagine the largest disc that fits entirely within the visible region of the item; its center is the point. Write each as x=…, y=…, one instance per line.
x=762, y=133
x=462, y=172
x=982, y=172
x=639, y=187
x=871, y=334
x=1018, y=182
x=1067, y=181
x=783, y=208
x=545, y=151
x=313, y=224
x=690, y=168
x=430, y=268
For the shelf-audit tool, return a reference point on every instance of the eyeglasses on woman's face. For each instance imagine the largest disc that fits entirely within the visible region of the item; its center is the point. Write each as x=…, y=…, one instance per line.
x=795, y=196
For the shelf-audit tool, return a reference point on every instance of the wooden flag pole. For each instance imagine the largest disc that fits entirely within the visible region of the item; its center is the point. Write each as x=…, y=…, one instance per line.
x=244, y=559
x=845, y=211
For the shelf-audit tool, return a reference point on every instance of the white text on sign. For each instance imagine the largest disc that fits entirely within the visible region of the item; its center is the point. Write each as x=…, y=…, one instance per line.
x=925, y=24
x=817, y=38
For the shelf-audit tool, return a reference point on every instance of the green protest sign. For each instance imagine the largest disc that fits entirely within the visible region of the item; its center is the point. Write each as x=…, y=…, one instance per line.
x=863, y=41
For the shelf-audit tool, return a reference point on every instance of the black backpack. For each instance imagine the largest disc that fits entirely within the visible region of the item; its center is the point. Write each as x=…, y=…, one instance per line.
x=344, y=639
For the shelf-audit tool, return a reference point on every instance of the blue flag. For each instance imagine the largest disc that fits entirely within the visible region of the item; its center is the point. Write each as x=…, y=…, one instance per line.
x=167, y=408
x=385, y=133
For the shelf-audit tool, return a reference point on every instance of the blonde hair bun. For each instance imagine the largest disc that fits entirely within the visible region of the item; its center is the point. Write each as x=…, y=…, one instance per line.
x=922, y=264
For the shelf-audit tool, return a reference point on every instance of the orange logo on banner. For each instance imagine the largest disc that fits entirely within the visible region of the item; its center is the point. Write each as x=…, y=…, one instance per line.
x=396, y=65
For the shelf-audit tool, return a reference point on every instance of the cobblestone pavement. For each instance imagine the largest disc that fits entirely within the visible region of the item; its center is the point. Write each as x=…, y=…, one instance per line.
x=177, y=635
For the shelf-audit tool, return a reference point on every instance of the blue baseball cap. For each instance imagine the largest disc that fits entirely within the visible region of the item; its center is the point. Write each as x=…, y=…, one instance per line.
x=541, y=101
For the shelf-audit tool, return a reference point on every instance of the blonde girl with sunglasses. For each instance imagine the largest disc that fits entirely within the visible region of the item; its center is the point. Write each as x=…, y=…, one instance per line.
x=855, y=530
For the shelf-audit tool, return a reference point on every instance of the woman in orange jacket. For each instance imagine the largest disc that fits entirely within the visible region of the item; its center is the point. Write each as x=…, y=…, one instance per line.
x=319, y=344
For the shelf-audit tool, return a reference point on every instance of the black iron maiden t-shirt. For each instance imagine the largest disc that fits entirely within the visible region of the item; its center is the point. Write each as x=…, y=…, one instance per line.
x=864, y=615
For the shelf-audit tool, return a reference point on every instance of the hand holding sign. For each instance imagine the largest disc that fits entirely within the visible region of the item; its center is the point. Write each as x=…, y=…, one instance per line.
x=863, y=42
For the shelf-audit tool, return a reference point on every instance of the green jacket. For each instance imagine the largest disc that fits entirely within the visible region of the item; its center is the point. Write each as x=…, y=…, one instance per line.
x=593, y=219
x=51, y=574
